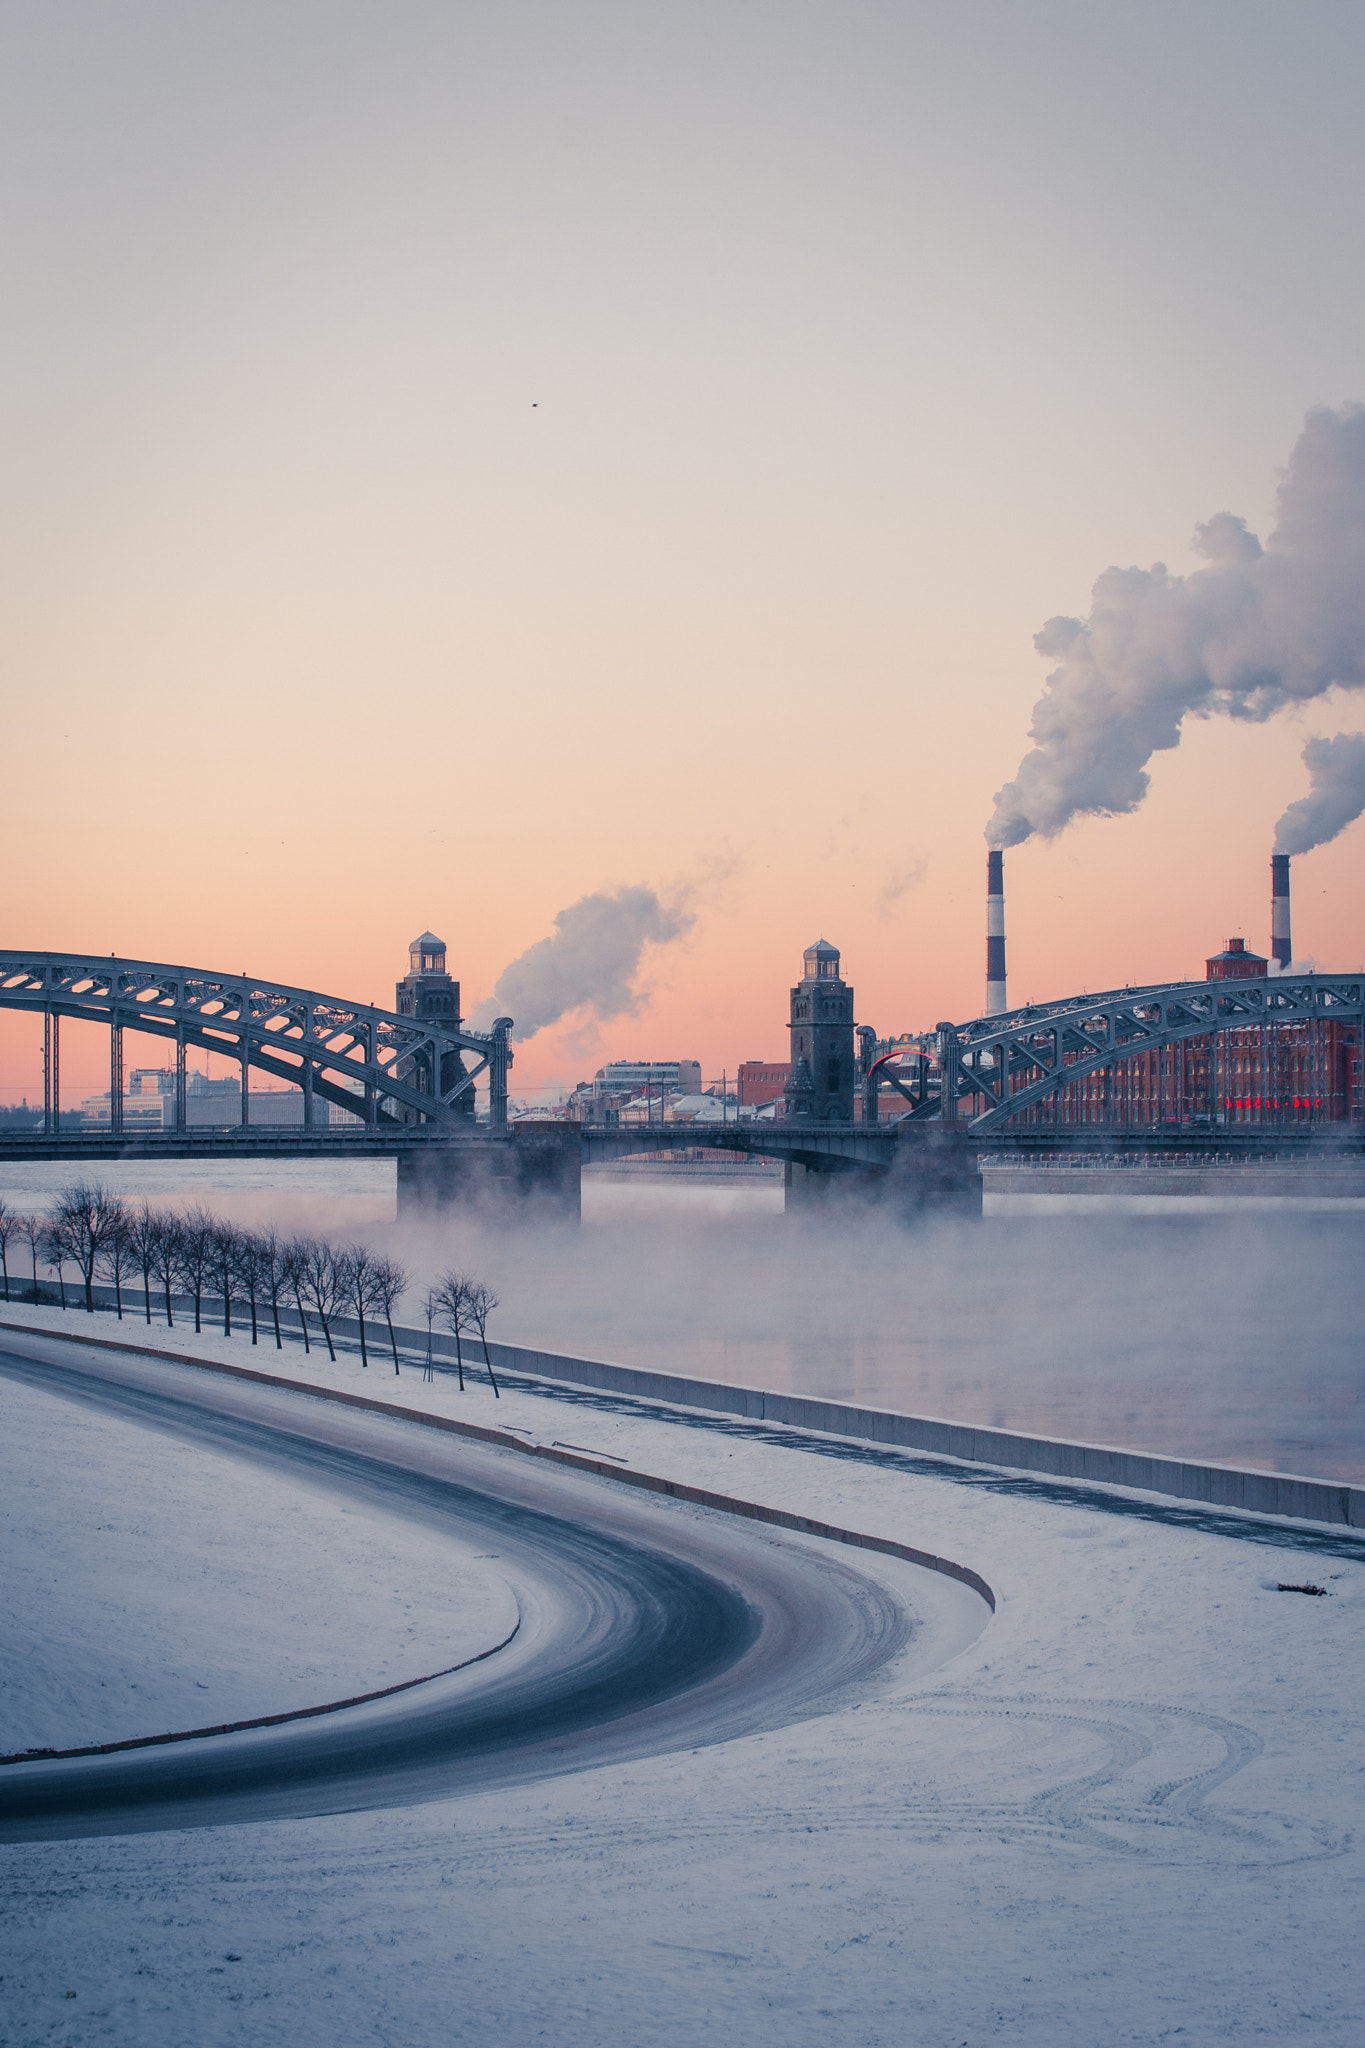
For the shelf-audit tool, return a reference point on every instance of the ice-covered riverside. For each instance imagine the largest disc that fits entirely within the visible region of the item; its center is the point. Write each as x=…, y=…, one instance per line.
x=1125, y=1814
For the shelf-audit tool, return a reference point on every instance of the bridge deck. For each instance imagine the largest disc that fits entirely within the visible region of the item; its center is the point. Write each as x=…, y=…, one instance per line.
x=871, y=1147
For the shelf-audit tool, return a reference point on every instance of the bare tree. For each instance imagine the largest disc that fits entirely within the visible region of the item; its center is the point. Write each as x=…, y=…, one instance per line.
x=9, y=1234
x=165, y=1255
x=33, y=1231
x=430, y=1306
x=360, y=1265
x=194, y=1257
x=56, y=1250
x=246, y=1269
x=326, y=1280
x=295, y=1263
x=272, y=1257
x=87, y=1217
x=117, y=1257
x=144, y=1226
x=479, y=1304
x=447, y=1299
x=389, y=1283
x=223, y=1253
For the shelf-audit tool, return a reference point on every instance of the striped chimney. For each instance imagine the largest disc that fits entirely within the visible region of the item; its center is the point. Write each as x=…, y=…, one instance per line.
x=996, y=1000
x=1281, y=947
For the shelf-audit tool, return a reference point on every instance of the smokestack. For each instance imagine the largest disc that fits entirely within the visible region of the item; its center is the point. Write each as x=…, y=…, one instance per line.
x=1281, y=949
x=996, y=1000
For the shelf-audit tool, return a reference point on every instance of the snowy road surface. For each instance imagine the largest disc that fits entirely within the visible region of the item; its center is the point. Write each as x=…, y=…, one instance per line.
x=644, y=1625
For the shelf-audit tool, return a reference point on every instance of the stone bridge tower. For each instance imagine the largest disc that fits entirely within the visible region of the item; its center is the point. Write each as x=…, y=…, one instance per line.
x=426, y=990
x=822, y=1078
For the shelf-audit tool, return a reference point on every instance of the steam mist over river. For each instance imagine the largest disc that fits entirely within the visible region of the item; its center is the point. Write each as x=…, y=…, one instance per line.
x=1229, y=1338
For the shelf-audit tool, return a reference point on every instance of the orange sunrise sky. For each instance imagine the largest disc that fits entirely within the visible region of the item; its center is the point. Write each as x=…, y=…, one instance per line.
x=462, y=458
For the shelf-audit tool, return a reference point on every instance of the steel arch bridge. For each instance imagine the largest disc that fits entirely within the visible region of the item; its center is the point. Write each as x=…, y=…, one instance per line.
x=384, y=1068
x=1023, y=1058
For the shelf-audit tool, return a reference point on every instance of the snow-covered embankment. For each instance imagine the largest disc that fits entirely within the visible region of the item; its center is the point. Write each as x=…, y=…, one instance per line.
x=279, y=1596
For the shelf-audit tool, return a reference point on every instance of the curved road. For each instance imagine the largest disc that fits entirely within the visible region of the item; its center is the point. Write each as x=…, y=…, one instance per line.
x=645, y=1625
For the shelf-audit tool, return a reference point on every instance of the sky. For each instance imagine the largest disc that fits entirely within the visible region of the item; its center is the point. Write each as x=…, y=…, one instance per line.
x=465, y=459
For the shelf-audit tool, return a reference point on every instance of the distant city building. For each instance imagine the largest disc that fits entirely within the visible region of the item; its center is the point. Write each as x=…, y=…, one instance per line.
x=760, y=1081
x=625, y=1077
x=633, y=1091
x=1234, y=963
x=149, y=1104
x=821, y=1084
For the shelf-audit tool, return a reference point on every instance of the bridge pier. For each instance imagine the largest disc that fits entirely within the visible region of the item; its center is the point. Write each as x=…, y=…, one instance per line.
x=530, y=1166
x=813, y=1188
x=935, y=1169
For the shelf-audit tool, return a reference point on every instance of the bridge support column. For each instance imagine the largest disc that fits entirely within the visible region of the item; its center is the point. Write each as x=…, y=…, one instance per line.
x=533, y=1169
x=803, y=1187
x=499, y=1060
x=934, y=1171
x=115, y=1079
x=808, y=1190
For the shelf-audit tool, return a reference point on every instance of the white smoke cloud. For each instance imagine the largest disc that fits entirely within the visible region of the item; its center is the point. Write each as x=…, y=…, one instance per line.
x=1257, y=630
x=589, y=963
x=900, y=885
x=1337, y=795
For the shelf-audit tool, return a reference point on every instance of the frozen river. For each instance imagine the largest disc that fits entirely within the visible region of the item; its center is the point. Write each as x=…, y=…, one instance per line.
x=1233, y=1337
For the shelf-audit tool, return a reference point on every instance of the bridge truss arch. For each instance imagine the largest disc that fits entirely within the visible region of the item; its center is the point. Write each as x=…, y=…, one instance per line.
x=1017, y=1061
x=382, y=1067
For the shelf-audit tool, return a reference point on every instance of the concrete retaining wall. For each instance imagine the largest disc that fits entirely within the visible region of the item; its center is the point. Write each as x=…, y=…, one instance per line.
x=1223, y=1486
x=1260, y=1493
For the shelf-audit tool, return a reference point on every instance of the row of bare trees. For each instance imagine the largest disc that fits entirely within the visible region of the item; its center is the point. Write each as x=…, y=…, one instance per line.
x=196, y=1257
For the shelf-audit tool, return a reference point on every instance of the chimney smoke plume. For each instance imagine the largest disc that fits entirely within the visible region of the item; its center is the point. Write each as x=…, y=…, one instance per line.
x=590, y=962
x=1334, y=800
x=1256, y=631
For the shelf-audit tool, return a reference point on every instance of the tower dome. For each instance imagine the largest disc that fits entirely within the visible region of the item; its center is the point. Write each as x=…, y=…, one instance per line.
x=821, y=961
x=427, y=955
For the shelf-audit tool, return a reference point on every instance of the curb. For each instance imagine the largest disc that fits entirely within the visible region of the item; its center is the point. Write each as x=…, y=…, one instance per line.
x=43, y=1756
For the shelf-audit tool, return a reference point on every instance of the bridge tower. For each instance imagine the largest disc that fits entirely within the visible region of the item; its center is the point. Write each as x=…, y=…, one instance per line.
x=823, y=1069
x=427, y=991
